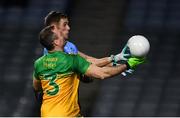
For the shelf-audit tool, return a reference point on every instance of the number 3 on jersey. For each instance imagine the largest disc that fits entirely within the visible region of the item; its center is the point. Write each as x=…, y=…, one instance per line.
x=53, y=84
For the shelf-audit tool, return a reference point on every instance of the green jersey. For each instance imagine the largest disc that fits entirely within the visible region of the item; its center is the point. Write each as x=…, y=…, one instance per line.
x=59, y=76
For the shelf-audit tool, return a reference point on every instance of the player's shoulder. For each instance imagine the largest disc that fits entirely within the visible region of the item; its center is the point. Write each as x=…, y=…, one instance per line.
x=59, y=55
x=38, y=60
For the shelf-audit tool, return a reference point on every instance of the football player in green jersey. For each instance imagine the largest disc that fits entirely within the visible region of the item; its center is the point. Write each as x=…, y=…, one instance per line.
x=57, y=74
x=61, y=27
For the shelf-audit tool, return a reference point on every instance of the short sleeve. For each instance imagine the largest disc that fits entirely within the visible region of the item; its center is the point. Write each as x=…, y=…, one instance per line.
x=80, y=64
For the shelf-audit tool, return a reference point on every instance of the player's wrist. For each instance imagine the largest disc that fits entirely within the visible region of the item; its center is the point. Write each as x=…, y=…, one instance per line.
x=118, y=57
x=113, y=60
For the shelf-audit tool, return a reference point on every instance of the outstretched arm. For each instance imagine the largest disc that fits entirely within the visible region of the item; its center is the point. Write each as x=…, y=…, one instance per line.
x=106, y=72
x=70, y=48
x=98, y=62
x=107, y=61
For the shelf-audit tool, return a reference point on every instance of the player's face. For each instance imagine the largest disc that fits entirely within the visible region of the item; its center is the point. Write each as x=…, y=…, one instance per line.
x=63, y=28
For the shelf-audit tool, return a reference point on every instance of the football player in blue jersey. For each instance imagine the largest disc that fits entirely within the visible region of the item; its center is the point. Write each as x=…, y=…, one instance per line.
x=53, y=19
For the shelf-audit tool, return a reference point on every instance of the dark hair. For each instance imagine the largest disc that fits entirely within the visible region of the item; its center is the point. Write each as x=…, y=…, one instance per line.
x=46, y=37
x=53, y=17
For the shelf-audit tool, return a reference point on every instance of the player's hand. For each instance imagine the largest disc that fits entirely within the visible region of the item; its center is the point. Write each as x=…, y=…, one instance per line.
x=133, y=62
x=70, y=48
x=124, y=55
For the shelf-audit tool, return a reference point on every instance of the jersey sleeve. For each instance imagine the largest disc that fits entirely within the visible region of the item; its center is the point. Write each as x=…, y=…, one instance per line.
x=80, y=64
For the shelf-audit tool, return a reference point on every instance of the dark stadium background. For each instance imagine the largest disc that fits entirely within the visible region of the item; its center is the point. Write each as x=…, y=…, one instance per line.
x=99, y=28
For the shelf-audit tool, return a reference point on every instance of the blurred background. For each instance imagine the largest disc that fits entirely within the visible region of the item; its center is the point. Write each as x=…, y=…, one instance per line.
x=98, y=28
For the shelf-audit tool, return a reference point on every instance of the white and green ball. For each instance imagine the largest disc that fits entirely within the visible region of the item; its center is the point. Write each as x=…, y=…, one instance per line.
x=139, y=46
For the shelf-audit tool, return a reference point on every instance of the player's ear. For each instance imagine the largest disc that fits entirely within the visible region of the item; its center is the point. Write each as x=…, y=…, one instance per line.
x=56, y=40
x=54, y=29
